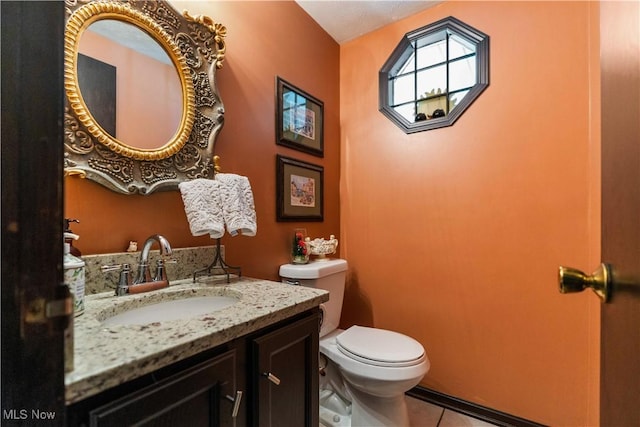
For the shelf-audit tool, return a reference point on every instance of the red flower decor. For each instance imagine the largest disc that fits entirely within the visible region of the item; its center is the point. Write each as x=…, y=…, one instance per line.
x=299, y=247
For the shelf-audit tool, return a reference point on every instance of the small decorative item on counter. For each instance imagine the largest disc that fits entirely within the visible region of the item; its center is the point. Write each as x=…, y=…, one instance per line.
x=299, y=251
x=321, y=247
x=133, y=246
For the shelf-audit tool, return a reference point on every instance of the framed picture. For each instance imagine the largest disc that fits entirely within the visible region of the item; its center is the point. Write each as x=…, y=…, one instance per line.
x=299, y=190
x=299, y=119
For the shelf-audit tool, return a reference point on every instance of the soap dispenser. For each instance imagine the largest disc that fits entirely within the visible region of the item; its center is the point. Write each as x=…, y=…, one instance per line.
x=67, y=229
x=74, y=275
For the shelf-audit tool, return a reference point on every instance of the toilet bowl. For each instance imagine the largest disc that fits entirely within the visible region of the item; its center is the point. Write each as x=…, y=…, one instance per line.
x=364, y=371
x=376, y=361
x=377, y=367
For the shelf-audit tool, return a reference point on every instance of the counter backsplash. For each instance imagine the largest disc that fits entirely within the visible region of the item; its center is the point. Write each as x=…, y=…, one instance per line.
x=188, y=260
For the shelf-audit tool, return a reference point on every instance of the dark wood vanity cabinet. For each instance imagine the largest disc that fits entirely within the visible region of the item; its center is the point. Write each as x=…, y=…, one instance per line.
x=203, y=390
x=285, y=376
x=201, y=395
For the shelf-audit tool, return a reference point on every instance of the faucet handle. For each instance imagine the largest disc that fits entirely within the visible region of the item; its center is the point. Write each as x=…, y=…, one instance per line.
x=124, y=281
x=112, y=267
x=161, y=273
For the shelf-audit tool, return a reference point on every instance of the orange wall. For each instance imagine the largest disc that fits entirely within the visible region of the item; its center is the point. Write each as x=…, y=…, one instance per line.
x=260, y=45
x=454, y=236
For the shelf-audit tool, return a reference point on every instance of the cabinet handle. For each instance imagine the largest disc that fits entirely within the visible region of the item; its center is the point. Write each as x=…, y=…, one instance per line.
x=236, y=403
x=272, y=378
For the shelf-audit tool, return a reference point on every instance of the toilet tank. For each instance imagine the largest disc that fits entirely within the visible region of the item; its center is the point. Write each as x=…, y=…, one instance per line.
x=329, y=275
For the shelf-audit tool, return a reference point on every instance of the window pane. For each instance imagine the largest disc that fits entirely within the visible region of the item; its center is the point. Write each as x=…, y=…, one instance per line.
x=433, y=53
x=403, y=89
x=456, y=98
x=407, y=111
x=462, y=73
x=408, y=66
x=432, y=80
x=459, y=46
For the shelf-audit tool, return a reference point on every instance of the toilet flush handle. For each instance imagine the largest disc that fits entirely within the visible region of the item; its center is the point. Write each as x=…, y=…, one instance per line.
x=271, y=378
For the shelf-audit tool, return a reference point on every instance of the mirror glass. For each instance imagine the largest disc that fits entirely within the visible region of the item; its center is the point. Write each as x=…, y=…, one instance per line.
x=129, y=84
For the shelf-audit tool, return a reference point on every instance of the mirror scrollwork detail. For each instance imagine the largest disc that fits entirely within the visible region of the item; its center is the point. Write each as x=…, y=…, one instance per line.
x=195, y=49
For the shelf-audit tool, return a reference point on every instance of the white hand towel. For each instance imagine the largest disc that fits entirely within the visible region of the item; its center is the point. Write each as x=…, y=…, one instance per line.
x=203, y=206
x=238, y=209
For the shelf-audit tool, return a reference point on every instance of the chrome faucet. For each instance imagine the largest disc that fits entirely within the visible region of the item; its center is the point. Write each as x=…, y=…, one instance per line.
x=144, y=273
x=143, y=281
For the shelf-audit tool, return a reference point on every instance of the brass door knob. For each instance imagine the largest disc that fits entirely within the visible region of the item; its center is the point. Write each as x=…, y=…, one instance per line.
x=572, y=280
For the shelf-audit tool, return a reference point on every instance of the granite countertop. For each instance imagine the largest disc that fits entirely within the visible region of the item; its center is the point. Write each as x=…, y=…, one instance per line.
x=106, y=356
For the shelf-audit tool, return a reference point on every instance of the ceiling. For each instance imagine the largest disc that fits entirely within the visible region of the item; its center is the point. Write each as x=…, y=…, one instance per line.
x=345, y=20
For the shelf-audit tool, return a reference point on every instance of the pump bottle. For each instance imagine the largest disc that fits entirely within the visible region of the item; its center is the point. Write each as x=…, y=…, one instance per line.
x=74, y=275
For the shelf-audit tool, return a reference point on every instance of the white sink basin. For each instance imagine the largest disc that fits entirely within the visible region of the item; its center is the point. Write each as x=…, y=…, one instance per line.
x=171, y=310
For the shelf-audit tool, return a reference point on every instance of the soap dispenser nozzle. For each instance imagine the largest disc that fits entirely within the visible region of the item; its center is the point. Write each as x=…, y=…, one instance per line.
x=67, y=226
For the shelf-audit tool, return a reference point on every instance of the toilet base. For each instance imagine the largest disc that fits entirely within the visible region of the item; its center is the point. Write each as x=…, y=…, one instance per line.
x=373, y=411
x=363, y=410
x=334, y=410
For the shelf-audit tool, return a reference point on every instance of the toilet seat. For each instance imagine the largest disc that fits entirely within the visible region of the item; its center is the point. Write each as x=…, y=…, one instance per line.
x=380, y=347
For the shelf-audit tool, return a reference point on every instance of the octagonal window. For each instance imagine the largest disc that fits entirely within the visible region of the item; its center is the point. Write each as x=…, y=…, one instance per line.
x=433, y=75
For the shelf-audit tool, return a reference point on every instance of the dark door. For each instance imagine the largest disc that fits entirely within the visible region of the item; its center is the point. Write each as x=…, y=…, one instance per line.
x=620, y=85
x=32, y=150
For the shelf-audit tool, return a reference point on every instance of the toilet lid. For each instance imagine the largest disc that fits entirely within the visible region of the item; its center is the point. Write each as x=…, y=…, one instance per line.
x=380, y=347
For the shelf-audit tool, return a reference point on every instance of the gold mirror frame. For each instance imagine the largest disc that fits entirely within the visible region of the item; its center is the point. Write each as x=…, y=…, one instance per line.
x=196, y=47
x=77, y=23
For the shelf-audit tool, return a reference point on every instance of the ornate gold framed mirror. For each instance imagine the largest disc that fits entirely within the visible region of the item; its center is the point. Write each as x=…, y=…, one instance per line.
x=142, y=110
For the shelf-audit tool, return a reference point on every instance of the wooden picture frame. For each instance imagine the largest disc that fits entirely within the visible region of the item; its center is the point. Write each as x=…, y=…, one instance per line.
x=299, y=190
x=299, y=119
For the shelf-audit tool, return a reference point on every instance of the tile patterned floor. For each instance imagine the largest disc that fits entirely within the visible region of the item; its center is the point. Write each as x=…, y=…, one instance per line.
x=424, y=414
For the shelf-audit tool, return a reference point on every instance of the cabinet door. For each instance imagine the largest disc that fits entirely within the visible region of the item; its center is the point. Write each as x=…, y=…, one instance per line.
x=198, y=396
x=285, y=375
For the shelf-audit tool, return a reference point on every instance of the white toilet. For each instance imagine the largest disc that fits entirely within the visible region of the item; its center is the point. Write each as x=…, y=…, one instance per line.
x=364, y=371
